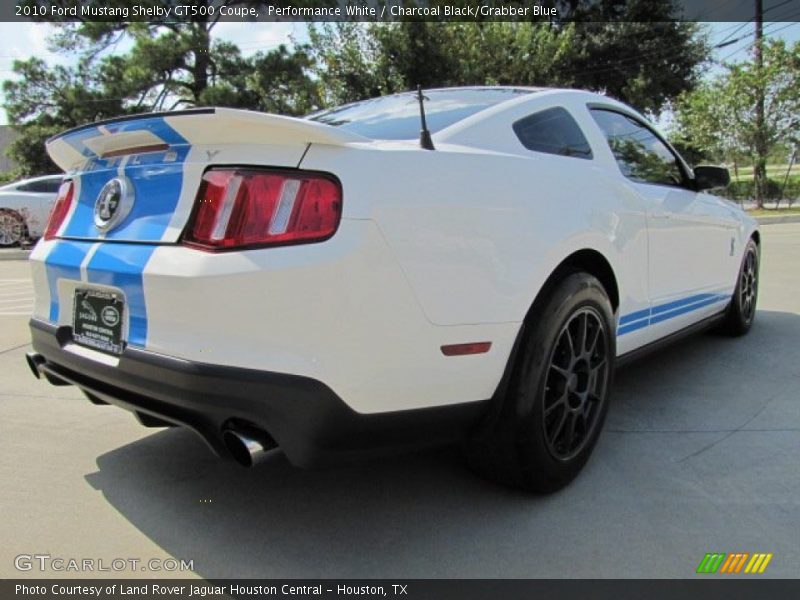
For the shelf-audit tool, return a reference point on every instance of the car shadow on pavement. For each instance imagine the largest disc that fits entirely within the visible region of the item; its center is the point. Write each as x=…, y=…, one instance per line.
x=425, y=514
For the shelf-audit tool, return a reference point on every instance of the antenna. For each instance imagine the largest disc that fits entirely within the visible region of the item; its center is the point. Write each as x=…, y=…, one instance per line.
x=424, y=135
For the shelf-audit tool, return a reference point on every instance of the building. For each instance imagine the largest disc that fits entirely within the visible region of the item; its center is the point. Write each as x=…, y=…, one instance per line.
x=7, y=136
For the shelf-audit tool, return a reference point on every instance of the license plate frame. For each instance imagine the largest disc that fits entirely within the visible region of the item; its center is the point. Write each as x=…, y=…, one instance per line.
x=98, y=317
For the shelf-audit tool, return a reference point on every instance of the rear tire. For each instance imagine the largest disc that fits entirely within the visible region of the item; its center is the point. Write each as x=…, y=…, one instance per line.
x=544, y=429
x=742, y=309
x=12, y=228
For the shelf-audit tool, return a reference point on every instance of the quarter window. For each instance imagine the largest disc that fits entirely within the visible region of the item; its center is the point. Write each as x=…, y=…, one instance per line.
x=553, y=131
x=41, y=186
x=640, y=154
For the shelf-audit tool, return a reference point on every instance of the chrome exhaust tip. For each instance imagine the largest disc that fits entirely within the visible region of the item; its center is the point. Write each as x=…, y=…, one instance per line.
x=34, y=360
x=248, y=446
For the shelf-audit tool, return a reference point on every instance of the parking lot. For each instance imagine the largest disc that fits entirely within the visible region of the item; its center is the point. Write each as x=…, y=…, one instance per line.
x=701, y=453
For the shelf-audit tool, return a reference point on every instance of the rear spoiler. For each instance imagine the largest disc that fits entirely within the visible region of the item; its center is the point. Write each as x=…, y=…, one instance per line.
x=151, y=132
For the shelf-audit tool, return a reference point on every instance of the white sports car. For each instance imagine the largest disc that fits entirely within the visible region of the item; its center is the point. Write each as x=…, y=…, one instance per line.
x=343, y=284
x=24, y=206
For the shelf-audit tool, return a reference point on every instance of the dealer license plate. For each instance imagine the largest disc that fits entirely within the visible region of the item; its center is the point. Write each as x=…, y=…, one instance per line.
x=97, y=320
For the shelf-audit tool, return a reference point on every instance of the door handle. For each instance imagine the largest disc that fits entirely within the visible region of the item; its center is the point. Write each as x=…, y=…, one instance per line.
x=660, y=214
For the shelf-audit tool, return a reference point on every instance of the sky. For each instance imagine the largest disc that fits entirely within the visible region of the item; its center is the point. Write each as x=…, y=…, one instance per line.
x=24, y=40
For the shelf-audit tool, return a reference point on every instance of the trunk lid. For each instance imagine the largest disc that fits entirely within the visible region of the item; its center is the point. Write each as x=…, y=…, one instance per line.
x=158, y=160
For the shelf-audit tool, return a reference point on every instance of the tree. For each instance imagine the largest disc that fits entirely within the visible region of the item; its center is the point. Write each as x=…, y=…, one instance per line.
x=169, y=66
x=179, y=64
x=719, y=116
x=356, y=61
x=45, y=101
x=173, y=64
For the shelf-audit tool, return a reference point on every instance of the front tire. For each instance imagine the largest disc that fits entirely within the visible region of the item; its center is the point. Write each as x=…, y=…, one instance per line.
x=548, y=422
x=742, y=309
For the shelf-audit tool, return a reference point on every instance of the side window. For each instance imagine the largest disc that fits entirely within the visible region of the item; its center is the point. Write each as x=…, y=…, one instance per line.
x=553, y=131
x=52, y=185
x=41, y=186
x=641, y=156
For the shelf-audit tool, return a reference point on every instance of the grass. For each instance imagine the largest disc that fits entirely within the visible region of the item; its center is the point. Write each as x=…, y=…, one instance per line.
x=774, y=212
x=777, y=172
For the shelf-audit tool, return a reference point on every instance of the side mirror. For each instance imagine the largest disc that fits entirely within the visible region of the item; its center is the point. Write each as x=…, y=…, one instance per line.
x=707, y=177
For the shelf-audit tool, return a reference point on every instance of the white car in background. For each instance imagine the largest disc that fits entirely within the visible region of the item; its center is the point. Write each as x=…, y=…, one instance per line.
x=334, y=285
x=25, y=206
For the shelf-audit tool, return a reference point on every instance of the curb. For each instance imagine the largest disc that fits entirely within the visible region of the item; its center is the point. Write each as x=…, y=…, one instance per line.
x=15, y=254
x=776, y=220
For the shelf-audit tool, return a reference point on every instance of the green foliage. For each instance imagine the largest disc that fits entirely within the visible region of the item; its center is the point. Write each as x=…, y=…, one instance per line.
x=179, y=65
x=741, y=191
x=169, y=66
x=47, y=100
x=356, y=61
x=9, y=176
x=718, y=117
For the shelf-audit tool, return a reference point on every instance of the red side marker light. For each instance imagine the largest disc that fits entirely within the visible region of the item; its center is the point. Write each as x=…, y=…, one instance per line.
x=462, y=349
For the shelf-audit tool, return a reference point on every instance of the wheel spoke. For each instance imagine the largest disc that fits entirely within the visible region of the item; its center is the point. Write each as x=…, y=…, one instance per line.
x=593, y=344
x=583, y=324
x=560, y=401
x=566, y=334
x=595, y=372
x=560, y=370
x=588, y=406
x=569, y=432
x=575, y=383
x=557, y=430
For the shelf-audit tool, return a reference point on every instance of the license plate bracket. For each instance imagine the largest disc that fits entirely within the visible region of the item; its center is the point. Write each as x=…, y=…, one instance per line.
x=97, y=320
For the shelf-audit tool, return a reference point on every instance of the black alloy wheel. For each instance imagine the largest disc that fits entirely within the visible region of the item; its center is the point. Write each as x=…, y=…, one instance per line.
x=546, y=419
x=576, y=384
x=748, y=285
x=741, y=311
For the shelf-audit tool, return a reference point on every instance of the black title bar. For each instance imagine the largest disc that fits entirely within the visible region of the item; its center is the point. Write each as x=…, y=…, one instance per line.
x=705, y=587
x=172, y=11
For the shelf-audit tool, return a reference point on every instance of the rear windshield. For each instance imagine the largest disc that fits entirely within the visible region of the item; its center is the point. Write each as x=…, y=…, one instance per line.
x=397, y=117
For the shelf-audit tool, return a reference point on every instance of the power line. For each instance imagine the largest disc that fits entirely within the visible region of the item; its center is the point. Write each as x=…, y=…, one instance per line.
x=724, y=41
x=704, y=15
x=752, y=43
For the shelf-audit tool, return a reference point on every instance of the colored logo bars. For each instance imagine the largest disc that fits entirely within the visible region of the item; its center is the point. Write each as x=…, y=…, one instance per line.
x=736, y=562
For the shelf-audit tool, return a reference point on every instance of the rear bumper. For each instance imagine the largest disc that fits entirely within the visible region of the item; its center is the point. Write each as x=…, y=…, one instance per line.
x=305, y=417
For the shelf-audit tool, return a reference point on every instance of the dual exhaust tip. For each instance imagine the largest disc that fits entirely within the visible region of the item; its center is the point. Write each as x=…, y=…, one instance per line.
x=248, y=446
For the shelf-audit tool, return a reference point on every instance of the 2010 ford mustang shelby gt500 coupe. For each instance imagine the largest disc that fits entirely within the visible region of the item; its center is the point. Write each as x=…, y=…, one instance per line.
x=331, y=285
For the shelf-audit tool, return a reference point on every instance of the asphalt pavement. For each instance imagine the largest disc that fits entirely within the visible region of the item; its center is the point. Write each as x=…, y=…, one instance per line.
x=701, y=453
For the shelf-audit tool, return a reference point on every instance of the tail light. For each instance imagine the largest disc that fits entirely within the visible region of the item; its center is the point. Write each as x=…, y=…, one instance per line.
x=60, y=209
x=238, y=208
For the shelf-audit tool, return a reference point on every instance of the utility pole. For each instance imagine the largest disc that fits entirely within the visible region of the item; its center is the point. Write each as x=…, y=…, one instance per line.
x=760, y=166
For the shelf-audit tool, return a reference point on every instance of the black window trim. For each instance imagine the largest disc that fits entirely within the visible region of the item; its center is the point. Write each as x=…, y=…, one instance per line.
x=686, y=171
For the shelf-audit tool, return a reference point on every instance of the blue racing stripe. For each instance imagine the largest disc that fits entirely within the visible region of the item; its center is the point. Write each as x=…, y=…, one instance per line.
x=669, y=306
x=622, y=330
x=708, y=300
x=155, y=125
x=157, y=179
x=77, y=139
x=64, y=262
x=122, y=266
x=634, y=316
x=663, y=312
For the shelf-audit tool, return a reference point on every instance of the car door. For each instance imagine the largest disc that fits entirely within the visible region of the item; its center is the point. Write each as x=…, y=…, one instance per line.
x=688, y=242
